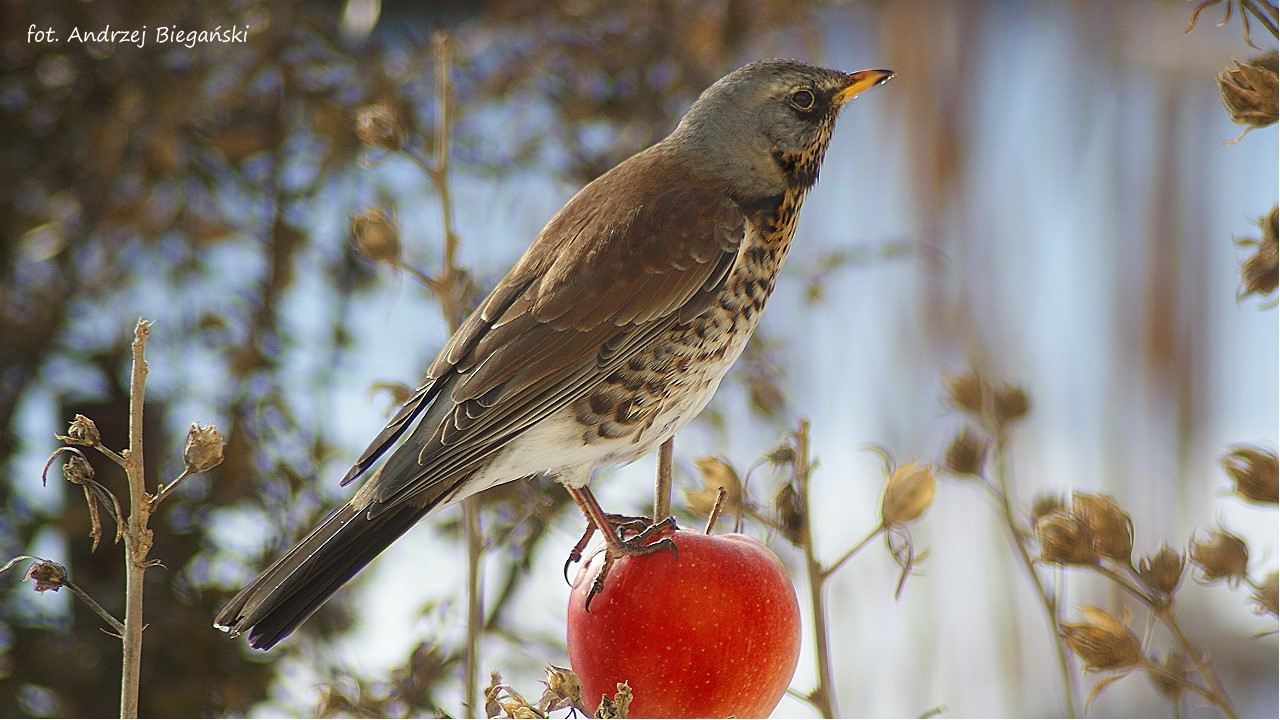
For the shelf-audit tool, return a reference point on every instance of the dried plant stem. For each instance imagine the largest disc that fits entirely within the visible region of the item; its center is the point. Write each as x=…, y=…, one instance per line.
x=137, y=538
x=166, y=490
x=1019, y=539
x=100, y=611
x=1163, y=610
x=823, y=696
x=830, y=569
x=449, y=294
x=1216, y=695
x=662, y=488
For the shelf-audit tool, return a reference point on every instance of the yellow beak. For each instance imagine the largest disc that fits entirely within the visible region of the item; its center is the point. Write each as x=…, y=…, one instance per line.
x=859, y=81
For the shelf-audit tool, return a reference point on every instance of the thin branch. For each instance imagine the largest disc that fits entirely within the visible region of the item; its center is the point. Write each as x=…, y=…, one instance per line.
x=1047, y=600
x=166, y=490
x=662, y=489
x=1124, y=584
x=830, y=569
x=448, y=293
x=1217, y=694
x=112, y=455
x=94, y=606
x=716, y=509
x=823, y=696
x=137, y=539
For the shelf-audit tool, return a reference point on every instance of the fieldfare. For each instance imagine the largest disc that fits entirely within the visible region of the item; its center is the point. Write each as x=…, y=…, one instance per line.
x=607, y=337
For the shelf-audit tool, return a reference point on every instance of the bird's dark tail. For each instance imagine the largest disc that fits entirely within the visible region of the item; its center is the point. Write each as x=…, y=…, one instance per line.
x=287, y=593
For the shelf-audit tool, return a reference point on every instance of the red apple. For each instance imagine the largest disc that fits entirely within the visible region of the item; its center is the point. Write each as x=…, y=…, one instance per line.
x=713, y=632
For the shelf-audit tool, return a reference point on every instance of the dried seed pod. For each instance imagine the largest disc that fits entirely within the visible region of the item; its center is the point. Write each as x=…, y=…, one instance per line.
x=968, y=391
x=1249, y=91
x=716, y=474
x=1065, y=539
x=616, y=706
x=1010, y=403
x=564, y=689
x=1260, y=273
x=1221, y=556
x=376, y=236
x=788, y=507
x=379, y=126
x=1102, y=641
x=1045, y=504
x=203, y=449
x=967, y=453
x=1110, y=527
x=909, y=492
x=1265, y=596
x=781, y=455
x=1254, y=474
x=82, y=431
x=1161, y=573
x=47, y=575
x=77, y=470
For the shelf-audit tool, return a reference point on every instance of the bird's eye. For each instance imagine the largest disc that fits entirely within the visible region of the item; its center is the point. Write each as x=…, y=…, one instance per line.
x=802, y=100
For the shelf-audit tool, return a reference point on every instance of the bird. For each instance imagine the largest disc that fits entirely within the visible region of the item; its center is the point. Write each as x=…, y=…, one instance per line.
x=609, y=334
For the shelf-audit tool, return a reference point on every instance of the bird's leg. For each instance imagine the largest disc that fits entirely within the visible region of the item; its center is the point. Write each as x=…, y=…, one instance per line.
x=613, y=530
x=621, y=523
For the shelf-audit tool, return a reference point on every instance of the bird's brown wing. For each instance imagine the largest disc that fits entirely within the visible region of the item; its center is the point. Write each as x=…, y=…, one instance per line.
x=633, y=253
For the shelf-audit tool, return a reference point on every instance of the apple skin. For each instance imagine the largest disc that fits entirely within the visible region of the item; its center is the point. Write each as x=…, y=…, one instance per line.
x=714, y=632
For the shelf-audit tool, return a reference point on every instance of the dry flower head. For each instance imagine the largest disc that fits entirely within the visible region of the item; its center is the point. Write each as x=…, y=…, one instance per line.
x=82, y=431
x=967, y=390
x=203, y=448
x=1265, y=596
x=1110, y=528
x=909, y=492
x=47, y=575
x=1260, y=272
x=1249, y=91
x=967, y=453
x=379, y=126
x=1161, y=573
x=1102, y=641
x=1064, y=539
x=376, y=236
x=564, y=689
x=1254, y=474
x=1221, y=556
x=716, y=473
x=616, y=706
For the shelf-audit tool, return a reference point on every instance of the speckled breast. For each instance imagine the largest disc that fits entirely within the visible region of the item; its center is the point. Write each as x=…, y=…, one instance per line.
x=668, y=383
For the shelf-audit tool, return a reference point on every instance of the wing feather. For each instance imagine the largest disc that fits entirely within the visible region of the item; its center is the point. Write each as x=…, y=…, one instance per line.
x=643, y=247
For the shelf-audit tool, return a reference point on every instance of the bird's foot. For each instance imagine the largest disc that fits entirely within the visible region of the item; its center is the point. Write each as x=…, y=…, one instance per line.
x=641, y=543
x=621, y=524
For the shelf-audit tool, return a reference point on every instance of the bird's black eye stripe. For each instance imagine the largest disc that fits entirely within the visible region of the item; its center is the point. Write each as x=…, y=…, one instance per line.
x=802, y=100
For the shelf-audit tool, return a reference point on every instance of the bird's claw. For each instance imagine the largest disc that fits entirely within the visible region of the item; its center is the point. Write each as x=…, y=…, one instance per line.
x=642, y=543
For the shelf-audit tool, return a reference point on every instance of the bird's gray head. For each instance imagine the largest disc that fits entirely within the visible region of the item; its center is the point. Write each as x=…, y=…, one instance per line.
x=764, y=127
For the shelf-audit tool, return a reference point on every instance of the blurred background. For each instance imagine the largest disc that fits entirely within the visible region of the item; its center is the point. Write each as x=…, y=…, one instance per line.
x=1046, y=193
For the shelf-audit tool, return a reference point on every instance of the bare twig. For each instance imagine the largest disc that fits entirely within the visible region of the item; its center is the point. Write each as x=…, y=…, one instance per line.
x=1019, y=539
x=823, y=696
x=448, y=290
x=137, y=539
x=662, y=488
x=166, y=490
x=830, y=569
x=1217, y=694
x=716, y=508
